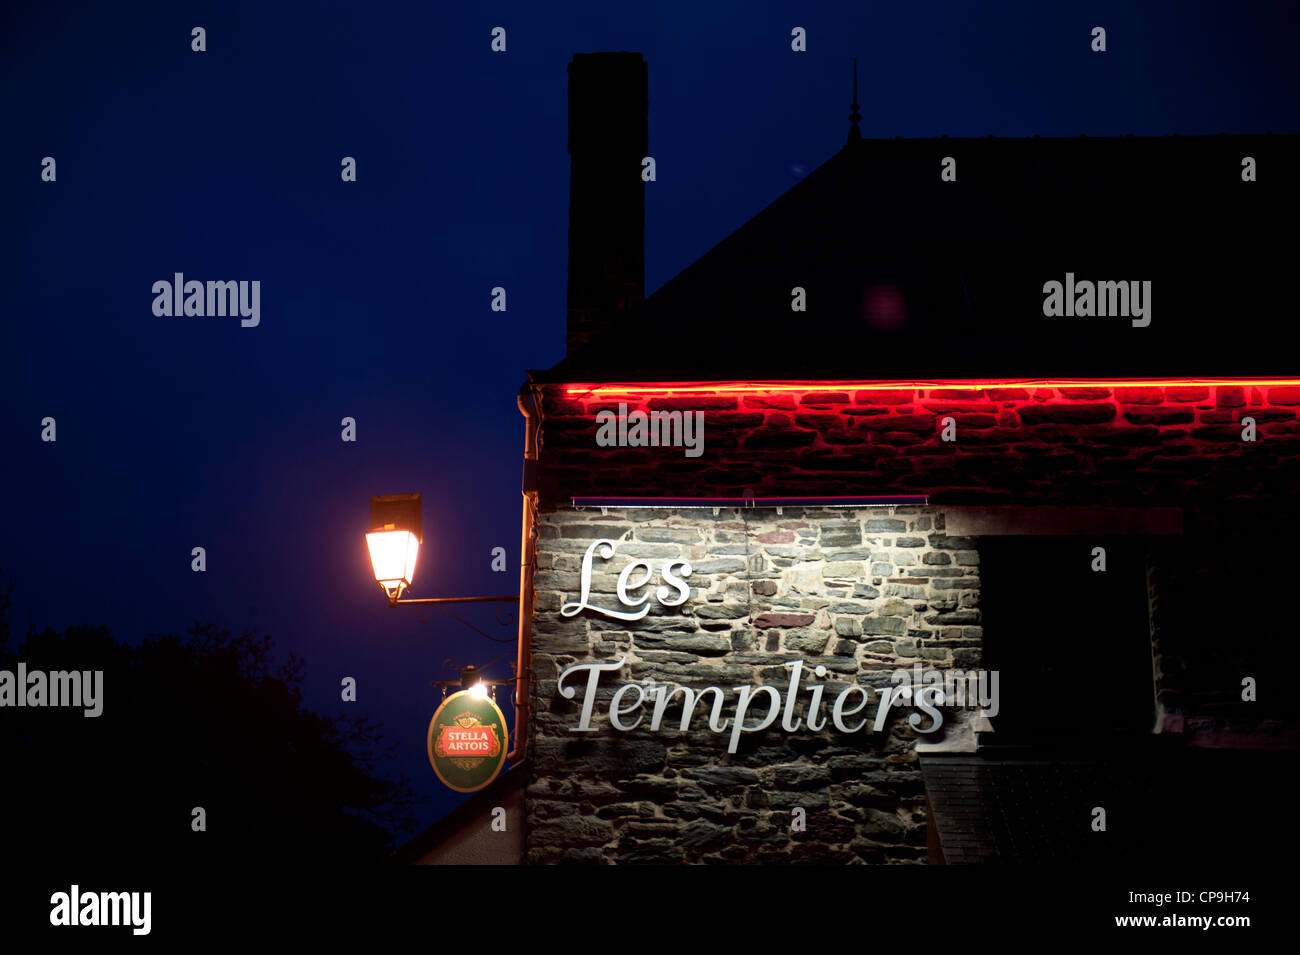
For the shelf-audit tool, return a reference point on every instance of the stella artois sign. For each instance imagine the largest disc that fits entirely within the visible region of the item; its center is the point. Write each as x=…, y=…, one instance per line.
x=467, y=741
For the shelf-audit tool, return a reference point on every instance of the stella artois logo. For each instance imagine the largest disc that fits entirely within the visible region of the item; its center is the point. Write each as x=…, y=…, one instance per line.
x=467, y=741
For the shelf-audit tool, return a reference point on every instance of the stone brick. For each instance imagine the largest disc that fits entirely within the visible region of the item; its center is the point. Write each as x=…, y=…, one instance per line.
x=885, y=525
x=1160, y=416
x=683, y=643
x=807, y=642
x=778, y=438
x=907, y=424
x=1229, y=396
x=785, y=402
x=721, y=611
x=840, y=534
x=821, y=399
x=607, y=754
x=1140, y=395
x=1067, y=413
x=877, y=625
x=801, y=777
x=724, y=776
x=884, y=397
x=847, y=627
x=702, y=834
x=654, y=855
x=571, y=831
x=956, y=617
x=767, y=620
x=692, y=403
x=612, y=531
x=723, y=565
x=1284, y=396
x=676, y=535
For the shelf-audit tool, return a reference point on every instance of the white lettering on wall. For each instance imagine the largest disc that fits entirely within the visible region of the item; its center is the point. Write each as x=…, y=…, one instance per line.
x=924, y=692
x=664, y=593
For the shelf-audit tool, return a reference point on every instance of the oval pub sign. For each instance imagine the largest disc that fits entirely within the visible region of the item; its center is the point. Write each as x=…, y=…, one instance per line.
x=467, y=741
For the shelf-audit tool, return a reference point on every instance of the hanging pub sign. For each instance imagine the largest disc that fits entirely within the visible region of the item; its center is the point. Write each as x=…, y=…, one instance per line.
x=467, y=741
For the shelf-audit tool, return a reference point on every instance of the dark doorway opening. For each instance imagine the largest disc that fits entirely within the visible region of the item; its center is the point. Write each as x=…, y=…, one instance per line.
x=1072, y=644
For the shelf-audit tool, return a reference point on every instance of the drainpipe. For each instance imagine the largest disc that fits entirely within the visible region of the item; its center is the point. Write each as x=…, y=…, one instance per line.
x=528, y=407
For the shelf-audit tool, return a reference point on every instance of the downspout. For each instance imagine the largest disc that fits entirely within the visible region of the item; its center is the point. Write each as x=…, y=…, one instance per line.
x=528, y=407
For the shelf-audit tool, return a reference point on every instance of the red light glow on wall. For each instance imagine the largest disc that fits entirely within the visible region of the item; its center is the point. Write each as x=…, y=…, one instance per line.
x=966, y=384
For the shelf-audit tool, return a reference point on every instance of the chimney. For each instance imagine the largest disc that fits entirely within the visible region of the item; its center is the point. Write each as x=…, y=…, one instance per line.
x=608, y=138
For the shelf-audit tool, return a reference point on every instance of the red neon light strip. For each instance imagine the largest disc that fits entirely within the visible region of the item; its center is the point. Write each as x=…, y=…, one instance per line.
x=770, y=387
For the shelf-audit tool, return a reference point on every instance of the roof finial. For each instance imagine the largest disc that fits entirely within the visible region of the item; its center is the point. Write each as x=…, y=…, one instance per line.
x=855, y=134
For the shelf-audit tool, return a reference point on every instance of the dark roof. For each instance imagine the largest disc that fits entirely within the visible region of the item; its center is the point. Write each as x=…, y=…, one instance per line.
x=908, y=276
x=472, y=809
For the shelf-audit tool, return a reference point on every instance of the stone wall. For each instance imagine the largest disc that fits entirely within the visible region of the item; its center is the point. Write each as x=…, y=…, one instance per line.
x=867, y=590
x=859, y=591
x=1149, y=446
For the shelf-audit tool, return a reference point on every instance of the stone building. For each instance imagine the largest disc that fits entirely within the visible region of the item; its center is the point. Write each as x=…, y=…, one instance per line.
x=881, y=447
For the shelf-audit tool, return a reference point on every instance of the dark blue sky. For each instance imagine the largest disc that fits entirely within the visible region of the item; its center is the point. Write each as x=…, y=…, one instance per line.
x=177, y=432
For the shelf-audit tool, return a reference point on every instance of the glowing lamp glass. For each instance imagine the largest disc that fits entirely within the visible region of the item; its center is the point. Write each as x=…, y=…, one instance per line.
x=479, y=689
x=392, y=556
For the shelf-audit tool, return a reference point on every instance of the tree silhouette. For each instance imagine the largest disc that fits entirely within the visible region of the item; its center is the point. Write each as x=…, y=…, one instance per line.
x=207, y=721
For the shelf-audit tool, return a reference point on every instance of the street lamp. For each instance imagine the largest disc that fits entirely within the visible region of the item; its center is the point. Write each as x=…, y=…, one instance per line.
x=392, y=555
x=397, y=529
